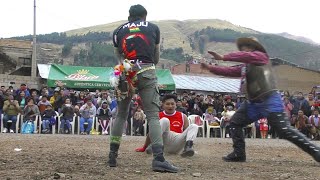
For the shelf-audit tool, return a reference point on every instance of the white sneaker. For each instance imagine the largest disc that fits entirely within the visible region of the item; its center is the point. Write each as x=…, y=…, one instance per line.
x=123, y=135
x=11, y=131
x=5, y=130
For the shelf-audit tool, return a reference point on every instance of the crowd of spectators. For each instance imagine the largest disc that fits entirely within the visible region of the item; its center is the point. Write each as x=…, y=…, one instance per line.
x=67, y=103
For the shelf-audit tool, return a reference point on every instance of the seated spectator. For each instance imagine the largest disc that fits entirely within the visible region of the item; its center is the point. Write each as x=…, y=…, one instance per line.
x=47, y=119
x=57, y=99
x=302, y=124
x=67, y=117
x=225, y=119
x=43, y=104
x=88, y=112
x=138, y=121
x=315, y=129
x=104, y=116
x=11, y=110
x=31, y=111
x=22, y=100
x=34, y=95
x=210, y=116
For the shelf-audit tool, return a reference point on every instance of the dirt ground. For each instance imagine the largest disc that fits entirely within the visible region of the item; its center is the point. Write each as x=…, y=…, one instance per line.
x=84, y=157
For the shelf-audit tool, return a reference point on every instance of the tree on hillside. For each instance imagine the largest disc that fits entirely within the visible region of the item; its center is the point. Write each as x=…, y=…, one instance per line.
x=66, y=49
x=99, y=54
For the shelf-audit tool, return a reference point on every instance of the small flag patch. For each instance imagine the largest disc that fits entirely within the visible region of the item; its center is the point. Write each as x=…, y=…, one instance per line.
x=134, y=29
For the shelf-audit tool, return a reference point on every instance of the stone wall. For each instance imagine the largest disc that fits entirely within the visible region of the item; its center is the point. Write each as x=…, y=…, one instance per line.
x=8, y=80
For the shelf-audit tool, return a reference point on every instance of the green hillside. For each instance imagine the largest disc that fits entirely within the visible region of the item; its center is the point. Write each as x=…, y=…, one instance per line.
x=182, y=39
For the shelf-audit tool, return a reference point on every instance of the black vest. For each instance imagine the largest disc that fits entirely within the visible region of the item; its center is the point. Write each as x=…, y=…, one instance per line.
x=260, y=81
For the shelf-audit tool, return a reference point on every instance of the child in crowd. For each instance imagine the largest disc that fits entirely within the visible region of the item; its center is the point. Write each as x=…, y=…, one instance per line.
x=67, y=117
x=263, y=124
x=139, y=119
x=48, y=117
x=210, y=116
x=104, y=115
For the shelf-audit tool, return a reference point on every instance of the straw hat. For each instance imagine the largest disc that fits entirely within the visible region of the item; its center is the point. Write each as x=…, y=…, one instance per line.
x=251, y=41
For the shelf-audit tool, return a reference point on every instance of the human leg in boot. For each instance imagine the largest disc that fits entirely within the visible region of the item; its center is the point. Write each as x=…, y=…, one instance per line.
x=239, y=153
x=282, y=126
x=239, y=120
x=113, y=154
x=188, y=150
x=116, y=131
x=159, y=164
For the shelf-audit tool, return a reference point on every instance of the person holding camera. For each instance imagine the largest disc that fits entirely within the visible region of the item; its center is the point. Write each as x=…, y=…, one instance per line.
x=11, y=110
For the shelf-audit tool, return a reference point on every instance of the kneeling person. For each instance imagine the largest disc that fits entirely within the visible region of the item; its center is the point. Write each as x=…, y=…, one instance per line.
x=177, y=134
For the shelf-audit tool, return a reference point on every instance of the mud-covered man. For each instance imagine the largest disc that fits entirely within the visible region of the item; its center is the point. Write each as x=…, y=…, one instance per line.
x=264, y=100
x=137, y=41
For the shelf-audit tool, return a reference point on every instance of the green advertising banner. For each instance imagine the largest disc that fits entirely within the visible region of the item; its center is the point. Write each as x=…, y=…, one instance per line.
x=81, y=77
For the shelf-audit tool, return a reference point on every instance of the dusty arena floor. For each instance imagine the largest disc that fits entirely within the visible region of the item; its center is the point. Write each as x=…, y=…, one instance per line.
x=84, y=157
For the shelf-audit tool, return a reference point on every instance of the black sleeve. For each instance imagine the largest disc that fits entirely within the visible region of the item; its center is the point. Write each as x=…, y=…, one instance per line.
x=157, y=35
x=114, y=37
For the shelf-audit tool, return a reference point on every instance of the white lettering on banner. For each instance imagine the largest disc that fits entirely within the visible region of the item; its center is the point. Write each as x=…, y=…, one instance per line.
x=130, y=25
x=92, y=84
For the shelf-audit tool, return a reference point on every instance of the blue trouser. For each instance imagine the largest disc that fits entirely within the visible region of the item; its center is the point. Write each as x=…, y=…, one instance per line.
x=65, y=123
x=89, y=121
x=250, y=112
x=46, y=124
x=13, y=118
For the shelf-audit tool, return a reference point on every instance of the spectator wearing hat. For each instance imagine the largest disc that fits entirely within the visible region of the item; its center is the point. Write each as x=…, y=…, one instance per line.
x=88, y=112
x=210, y=116
x=258, y=82
x=47, y=118
x=11, y=110
x=67, y=111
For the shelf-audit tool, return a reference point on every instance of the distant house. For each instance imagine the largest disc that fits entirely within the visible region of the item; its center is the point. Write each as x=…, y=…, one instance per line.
x=289, y=76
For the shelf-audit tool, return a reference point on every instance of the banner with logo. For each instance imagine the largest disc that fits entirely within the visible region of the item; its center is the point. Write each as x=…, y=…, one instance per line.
x=82, y=77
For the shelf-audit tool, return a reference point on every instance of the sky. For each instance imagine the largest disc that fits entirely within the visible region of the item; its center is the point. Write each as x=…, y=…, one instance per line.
x=296, y=17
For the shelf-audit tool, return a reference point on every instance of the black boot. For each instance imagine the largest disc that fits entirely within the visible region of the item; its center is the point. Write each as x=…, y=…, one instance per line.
x=159, y=164
x=188, y=151
x=239, y=153
x=113, y=154
x=282, y=126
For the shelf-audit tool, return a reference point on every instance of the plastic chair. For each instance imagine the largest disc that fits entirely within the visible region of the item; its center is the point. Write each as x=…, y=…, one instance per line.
x=53, y=129
x=193, y=120
x=10, y=121
x=215, y=128
x=72, y=123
